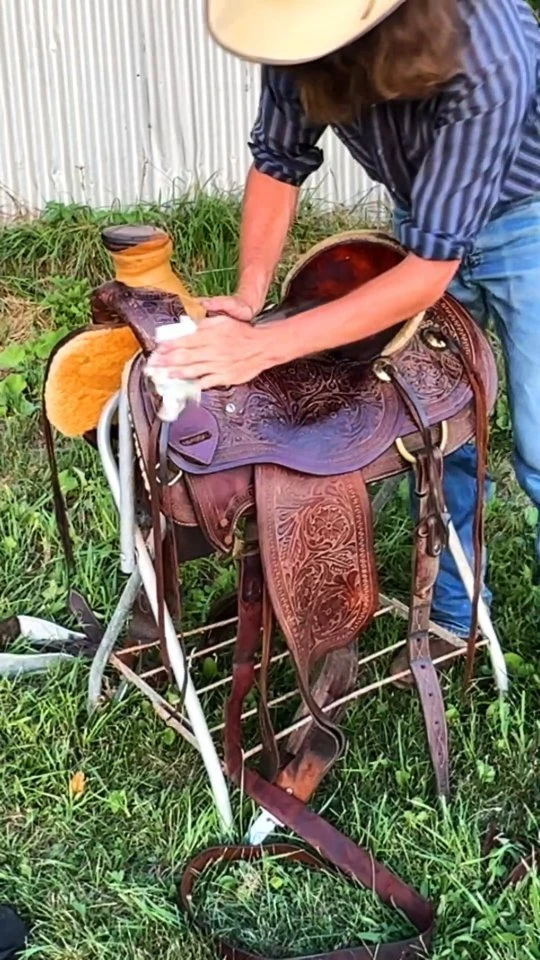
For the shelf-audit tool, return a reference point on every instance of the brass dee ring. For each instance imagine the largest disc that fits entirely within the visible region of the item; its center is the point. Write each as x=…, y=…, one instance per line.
x=380, y=369
x=435, y=339
x=170, y=483
x=410, y=457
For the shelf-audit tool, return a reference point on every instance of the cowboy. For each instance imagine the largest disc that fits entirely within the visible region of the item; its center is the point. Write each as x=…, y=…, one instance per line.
x=439, y=101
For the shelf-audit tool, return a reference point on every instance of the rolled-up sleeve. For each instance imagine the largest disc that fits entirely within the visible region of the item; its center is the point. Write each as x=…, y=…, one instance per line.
x=282, y=142
x=459, y=182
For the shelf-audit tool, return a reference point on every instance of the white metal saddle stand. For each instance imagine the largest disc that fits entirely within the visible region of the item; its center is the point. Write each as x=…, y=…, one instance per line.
x=136, y=562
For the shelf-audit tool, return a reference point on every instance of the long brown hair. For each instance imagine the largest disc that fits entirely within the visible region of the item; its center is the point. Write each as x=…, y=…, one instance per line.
x=410, y=54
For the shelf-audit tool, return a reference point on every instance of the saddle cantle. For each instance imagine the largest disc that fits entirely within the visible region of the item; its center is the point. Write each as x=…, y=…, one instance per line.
x=275, y=472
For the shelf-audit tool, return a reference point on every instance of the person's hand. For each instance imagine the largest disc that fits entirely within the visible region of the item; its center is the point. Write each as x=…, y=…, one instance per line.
x=222, y=353
x=235, y=306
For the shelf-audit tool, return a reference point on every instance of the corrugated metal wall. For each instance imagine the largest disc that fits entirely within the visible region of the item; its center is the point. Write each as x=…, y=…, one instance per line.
x=127, y=100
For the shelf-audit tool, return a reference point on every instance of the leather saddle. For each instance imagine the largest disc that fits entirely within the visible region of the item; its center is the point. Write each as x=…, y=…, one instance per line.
x=275, y=473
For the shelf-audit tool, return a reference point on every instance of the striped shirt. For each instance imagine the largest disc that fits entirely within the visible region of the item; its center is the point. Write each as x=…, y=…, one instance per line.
x=452, y=161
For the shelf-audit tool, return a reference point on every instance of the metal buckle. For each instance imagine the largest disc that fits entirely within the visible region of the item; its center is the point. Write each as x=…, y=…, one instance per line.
x=178, y=476
x=239, y=544
x=410, y=457
x=434, y=338
x=380, y=368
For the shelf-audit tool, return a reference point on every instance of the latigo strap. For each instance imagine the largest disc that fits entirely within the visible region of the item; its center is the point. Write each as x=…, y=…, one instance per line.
x=334, y=850
x=350, y=859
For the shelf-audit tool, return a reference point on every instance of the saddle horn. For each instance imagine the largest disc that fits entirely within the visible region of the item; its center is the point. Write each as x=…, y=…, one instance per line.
x=142, y=258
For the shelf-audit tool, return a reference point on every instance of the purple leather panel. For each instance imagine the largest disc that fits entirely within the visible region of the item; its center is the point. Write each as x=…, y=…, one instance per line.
x=322, y=416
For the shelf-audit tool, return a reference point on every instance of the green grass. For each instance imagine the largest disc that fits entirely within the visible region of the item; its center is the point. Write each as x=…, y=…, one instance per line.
x=96, y=875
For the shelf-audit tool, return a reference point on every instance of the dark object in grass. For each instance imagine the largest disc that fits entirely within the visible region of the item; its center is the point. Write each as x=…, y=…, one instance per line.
x=13, y=933
x=9, y=631
x=527, y=863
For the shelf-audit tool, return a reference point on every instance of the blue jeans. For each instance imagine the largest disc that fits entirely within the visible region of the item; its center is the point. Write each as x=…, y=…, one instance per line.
x=498, y=281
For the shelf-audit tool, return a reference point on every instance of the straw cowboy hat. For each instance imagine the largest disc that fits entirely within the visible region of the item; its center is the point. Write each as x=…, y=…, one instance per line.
x=292, y=31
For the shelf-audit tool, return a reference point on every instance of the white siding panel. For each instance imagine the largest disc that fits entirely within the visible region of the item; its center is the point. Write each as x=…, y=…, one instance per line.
x=105, y=101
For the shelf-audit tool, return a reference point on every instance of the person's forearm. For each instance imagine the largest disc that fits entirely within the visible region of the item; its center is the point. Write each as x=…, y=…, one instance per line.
x=268, y=210
x=394, y=296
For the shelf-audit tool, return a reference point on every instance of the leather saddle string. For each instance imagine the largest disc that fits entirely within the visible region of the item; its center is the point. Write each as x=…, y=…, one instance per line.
x=255, y=615
x=418, y=415
x=155, y=506
x=478, y=391
x=321, y=718
x=248, y=641
x=158, y=479
x=270, y=756
x=172, y=575
x=77, y=602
